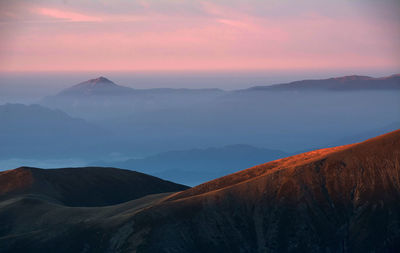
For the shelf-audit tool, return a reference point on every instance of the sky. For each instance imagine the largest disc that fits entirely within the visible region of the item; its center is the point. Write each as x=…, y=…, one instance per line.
x=196, y=35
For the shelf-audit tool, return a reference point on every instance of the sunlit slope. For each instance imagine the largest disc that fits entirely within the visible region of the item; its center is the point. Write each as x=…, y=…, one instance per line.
x=343, y=199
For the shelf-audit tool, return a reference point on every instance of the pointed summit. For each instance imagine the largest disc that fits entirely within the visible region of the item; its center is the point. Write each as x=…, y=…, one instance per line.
x=97, y=86
x=100, y=79
x=96, y=82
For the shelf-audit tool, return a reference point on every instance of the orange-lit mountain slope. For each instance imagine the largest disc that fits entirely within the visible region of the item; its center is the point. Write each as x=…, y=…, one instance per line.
x=343, y=199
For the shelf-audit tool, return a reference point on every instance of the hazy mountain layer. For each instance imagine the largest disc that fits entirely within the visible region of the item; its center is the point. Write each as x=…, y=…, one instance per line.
x=96, y=87
x=119, y=122
x=192, y=167
x=350, y=83
x=37, y=131
x=157, y=120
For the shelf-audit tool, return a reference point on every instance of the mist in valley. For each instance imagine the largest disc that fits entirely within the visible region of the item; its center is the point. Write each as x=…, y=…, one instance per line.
x=102, y=123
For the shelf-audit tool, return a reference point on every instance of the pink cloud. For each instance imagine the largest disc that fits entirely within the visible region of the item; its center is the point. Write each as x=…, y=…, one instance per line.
x=220, y=37
x=66, y=15
x=235, y=23
x=218, y=10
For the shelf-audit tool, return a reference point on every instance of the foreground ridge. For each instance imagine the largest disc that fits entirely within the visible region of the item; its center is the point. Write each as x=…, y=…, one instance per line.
x=342, y=199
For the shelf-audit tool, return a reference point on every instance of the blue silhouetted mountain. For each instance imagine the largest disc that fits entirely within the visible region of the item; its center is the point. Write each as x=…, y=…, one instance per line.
x=194, y=166
x=34, y=130
x=344, y=83
x=101, y=98
x=100, y=86
x=367, y=134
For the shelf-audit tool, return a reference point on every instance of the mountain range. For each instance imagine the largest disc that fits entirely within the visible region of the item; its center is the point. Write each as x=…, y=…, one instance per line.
x=341, y=199
x=34, y=131
x=350, y=83
x=102, y=86
x=87, y=98
x=194, y=166
x=102, y=120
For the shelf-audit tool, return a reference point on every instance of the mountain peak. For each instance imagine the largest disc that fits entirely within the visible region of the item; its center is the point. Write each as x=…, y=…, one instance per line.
x=97, y=86
x=98, y=82
x=100, y=79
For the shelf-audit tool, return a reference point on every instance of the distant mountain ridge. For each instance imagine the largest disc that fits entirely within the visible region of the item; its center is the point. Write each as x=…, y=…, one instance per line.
x=194, y=166
x=353, y=82
x=102, y=86
x=367, y=135
x=98, y=86
x=85, y=99
x=29, y=130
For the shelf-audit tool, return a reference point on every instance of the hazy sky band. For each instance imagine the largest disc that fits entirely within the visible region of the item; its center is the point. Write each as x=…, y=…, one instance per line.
x=124, y=35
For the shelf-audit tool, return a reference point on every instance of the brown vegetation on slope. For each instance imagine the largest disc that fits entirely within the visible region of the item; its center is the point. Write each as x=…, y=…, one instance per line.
x=344, y=199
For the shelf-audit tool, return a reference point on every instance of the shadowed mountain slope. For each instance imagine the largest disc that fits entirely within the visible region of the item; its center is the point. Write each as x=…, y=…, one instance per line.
x=89, y=186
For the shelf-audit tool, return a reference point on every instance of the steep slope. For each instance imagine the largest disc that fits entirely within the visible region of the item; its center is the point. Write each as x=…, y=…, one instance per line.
x=343, y=199
x=89, y=186
x=338, y=83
